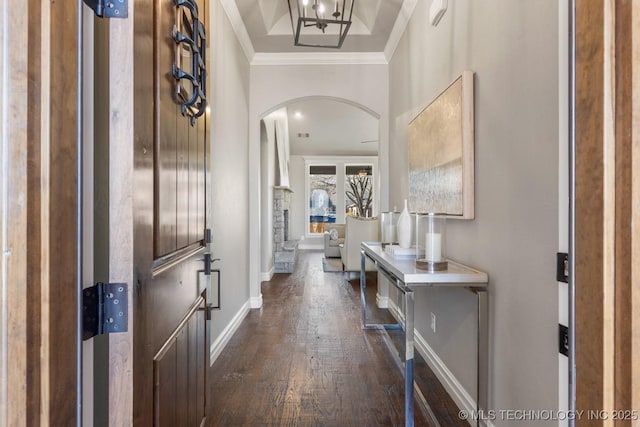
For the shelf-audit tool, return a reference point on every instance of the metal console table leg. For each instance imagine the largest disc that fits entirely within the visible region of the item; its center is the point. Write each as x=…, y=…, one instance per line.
x=408, y=333
x=408, y=329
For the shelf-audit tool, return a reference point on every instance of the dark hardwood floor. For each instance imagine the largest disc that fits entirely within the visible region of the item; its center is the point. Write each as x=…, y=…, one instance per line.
x=303, y=360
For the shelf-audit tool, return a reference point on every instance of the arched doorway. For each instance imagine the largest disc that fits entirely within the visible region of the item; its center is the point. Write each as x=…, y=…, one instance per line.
x=332, y=134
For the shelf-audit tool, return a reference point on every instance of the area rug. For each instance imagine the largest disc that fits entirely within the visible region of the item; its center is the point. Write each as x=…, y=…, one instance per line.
x=331, y=265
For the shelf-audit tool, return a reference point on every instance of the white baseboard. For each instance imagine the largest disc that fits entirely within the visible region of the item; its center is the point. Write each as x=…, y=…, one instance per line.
x=223, y=339
x=451, y=384
x=256, y=302
x=266, y=276
x=382, y=302
x=395, y=311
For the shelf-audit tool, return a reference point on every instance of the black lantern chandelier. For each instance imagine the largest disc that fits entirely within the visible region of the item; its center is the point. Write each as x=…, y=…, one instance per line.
x=327, y=18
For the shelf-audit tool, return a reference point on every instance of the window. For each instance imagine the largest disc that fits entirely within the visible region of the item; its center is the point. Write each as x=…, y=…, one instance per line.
x=329, y=194
x=358, y=188
x=322, y=197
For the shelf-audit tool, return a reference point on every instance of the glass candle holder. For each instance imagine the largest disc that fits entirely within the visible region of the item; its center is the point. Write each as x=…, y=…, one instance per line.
x=430, y=242
x=388, y=227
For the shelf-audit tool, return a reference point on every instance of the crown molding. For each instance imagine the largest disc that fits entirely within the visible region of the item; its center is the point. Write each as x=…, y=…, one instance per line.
x=319, y=58
x=408, y=7
x=239, y=29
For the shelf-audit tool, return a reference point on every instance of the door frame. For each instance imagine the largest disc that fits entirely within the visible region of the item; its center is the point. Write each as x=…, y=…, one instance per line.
x=605, y=254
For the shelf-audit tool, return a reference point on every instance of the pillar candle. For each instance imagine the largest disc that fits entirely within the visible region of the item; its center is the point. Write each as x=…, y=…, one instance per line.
x=389, y=233
x=433, y=244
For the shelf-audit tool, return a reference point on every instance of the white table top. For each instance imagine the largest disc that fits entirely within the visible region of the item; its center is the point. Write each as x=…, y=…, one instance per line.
x=404, y=268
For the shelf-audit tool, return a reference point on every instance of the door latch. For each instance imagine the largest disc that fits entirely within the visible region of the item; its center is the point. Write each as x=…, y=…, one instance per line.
x=105, y=309
x=562, y=267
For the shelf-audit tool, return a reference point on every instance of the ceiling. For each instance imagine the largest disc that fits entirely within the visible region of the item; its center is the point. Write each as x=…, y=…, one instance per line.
x=264, y=30
x=268, y=25
x=334, y=128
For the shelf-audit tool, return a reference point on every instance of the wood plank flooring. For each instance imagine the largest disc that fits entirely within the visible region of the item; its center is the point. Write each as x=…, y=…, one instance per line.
x=303, y=360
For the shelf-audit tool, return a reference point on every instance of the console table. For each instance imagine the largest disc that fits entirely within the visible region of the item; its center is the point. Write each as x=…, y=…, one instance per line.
x=403, y=274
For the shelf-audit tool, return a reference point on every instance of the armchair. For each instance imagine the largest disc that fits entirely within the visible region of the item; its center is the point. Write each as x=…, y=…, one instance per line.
x=331, y=245
x=358, y=230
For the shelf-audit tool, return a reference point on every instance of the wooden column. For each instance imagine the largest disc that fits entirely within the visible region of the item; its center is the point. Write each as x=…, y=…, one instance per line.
x=13, y=214
x=634, y=16
x=607, y=210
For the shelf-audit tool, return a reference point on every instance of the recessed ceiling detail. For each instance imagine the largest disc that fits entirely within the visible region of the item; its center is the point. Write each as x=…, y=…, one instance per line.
x=268, y=25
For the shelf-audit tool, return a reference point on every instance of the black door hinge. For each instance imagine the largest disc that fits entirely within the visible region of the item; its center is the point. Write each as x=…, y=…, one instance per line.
x=562, y=267
x=563, y=340
x=109, y=8
x=105, y=309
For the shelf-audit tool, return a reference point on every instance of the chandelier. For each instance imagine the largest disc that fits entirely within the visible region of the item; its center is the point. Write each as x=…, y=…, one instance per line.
x=320, y=23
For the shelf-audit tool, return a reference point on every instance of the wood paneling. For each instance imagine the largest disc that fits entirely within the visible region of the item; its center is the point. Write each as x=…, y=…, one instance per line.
x=635, y=210
x=166, y=221
x=13, y=214
x=166, y=278
x=34, y=224
x=623, y=126
x=605, y=262
x=121, y=210
x=179, y=147
x=62, y=212
x=178, y=395
x=589, y=205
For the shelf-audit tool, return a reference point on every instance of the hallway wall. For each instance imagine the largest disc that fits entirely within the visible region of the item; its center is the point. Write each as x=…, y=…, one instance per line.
x=512, y=46
x=229, y=101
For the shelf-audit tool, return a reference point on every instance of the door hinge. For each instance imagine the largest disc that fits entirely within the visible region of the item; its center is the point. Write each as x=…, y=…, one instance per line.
x=563, y=340
x=562, y=267
x=109, y=8
x=105, y=309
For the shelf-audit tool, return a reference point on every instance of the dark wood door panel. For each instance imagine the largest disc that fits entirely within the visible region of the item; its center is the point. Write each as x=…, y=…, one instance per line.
x=180, y=145
x=166, y=144
x=178, y=367
x=170, y=332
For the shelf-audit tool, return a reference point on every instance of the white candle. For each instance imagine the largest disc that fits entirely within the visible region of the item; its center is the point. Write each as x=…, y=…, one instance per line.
x=389, y=233
x=433, y=244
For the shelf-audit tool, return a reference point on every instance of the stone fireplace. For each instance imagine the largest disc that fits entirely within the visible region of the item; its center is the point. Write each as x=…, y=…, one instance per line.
x=284, y=249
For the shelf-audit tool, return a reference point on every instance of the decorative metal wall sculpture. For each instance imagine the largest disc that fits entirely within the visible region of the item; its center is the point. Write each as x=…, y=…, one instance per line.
x=190, y=69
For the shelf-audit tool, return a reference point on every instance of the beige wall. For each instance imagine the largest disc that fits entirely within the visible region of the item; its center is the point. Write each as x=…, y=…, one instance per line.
x=512, y=46
x=229, y=96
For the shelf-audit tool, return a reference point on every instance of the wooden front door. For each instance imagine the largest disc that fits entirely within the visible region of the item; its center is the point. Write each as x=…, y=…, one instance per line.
x=157, y=199
x=170, y=334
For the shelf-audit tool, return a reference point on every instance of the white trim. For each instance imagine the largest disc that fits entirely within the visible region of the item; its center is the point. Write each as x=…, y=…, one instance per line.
x=451, y=384
x=382, y=302
x=256, y=302
x=319, y=58
x=408, y=6
x=395, y=311
x=223, y=339
x=265, y=276
x=457, y=392
x=239, y=29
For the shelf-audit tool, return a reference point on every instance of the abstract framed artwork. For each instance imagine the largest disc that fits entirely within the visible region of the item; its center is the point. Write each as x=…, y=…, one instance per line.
x=441, y=153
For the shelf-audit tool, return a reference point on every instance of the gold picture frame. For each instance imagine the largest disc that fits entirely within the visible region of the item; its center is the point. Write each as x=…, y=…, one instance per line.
x=441, y=153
